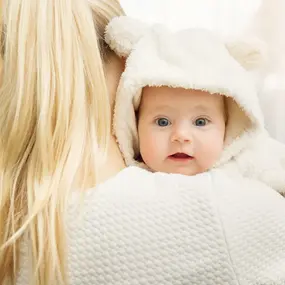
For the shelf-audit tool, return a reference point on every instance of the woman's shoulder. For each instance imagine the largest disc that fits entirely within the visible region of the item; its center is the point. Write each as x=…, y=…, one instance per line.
x=137, y=182
x=233, y=226
x=128, y=178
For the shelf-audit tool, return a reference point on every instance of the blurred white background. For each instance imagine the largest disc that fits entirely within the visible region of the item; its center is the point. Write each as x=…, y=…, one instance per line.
x=262, y=18
x=222, y=15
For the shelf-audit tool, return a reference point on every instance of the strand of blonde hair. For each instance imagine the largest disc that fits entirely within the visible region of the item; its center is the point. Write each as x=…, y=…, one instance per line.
x=54, y=126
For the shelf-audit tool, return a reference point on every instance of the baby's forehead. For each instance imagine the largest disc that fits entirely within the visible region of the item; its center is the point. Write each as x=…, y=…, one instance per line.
x=178, y=98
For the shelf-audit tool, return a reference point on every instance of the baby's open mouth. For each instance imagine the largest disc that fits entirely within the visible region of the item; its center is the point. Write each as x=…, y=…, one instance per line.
x=180, y=156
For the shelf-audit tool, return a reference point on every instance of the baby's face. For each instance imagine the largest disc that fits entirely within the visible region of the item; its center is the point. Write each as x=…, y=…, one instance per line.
x=180, y=131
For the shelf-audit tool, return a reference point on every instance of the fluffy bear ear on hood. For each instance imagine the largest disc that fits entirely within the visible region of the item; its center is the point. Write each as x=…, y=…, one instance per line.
x=251, y=53
x=123, y=32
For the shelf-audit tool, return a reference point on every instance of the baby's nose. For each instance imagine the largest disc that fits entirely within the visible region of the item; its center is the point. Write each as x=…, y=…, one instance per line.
x=182, y=135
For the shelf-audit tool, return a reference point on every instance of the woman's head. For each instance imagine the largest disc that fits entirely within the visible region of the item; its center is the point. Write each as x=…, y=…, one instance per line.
x=54, y=122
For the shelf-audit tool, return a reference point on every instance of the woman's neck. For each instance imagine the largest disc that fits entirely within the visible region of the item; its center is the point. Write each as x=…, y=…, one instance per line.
x=114, y=67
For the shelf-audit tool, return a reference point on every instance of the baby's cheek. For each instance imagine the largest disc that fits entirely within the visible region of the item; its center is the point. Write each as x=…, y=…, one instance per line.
x=210, y=152
x=150, y=149
x=216, y=152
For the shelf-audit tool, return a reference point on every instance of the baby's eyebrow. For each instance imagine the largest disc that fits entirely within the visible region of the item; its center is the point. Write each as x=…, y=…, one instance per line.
x=161, y=108
x=164, y=106
x=207, y=109
x=202, y=108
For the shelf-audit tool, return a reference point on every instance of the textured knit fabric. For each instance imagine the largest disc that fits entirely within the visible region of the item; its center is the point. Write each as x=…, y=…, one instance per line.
x=152, y=228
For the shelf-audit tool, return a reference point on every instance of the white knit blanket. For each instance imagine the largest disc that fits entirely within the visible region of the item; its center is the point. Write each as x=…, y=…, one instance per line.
x=152, y=228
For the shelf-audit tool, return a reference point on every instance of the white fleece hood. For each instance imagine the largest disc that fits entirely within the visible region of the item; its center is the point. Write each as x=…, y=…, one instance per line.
x=190, y=59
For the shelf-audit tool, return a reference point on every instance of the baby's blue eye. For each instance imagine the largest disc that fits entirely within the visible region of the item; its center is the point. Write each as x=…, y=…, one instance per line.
x=201, y=122
x=162, y=122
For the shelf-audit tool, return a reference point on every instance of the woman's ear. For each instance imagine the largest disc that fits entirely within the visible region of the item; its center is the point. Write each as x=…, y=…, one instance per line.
x=122, y=33
x=250, y=53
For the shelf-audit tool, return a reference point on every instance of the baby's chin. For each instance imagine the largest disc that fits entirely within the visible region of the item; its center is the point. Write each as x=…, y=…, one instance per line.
x=189, y=171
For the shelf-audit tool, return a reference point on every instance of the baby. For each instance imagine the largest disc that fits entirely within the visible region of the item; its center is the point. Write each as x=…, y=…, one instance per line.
x=183, y=98
x=187, y=103
x=180, y=130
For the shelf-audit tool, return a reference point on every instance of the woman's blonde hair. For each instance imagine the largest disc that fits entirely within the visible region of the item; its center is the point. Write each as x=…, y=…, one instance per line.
x=54, y=124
